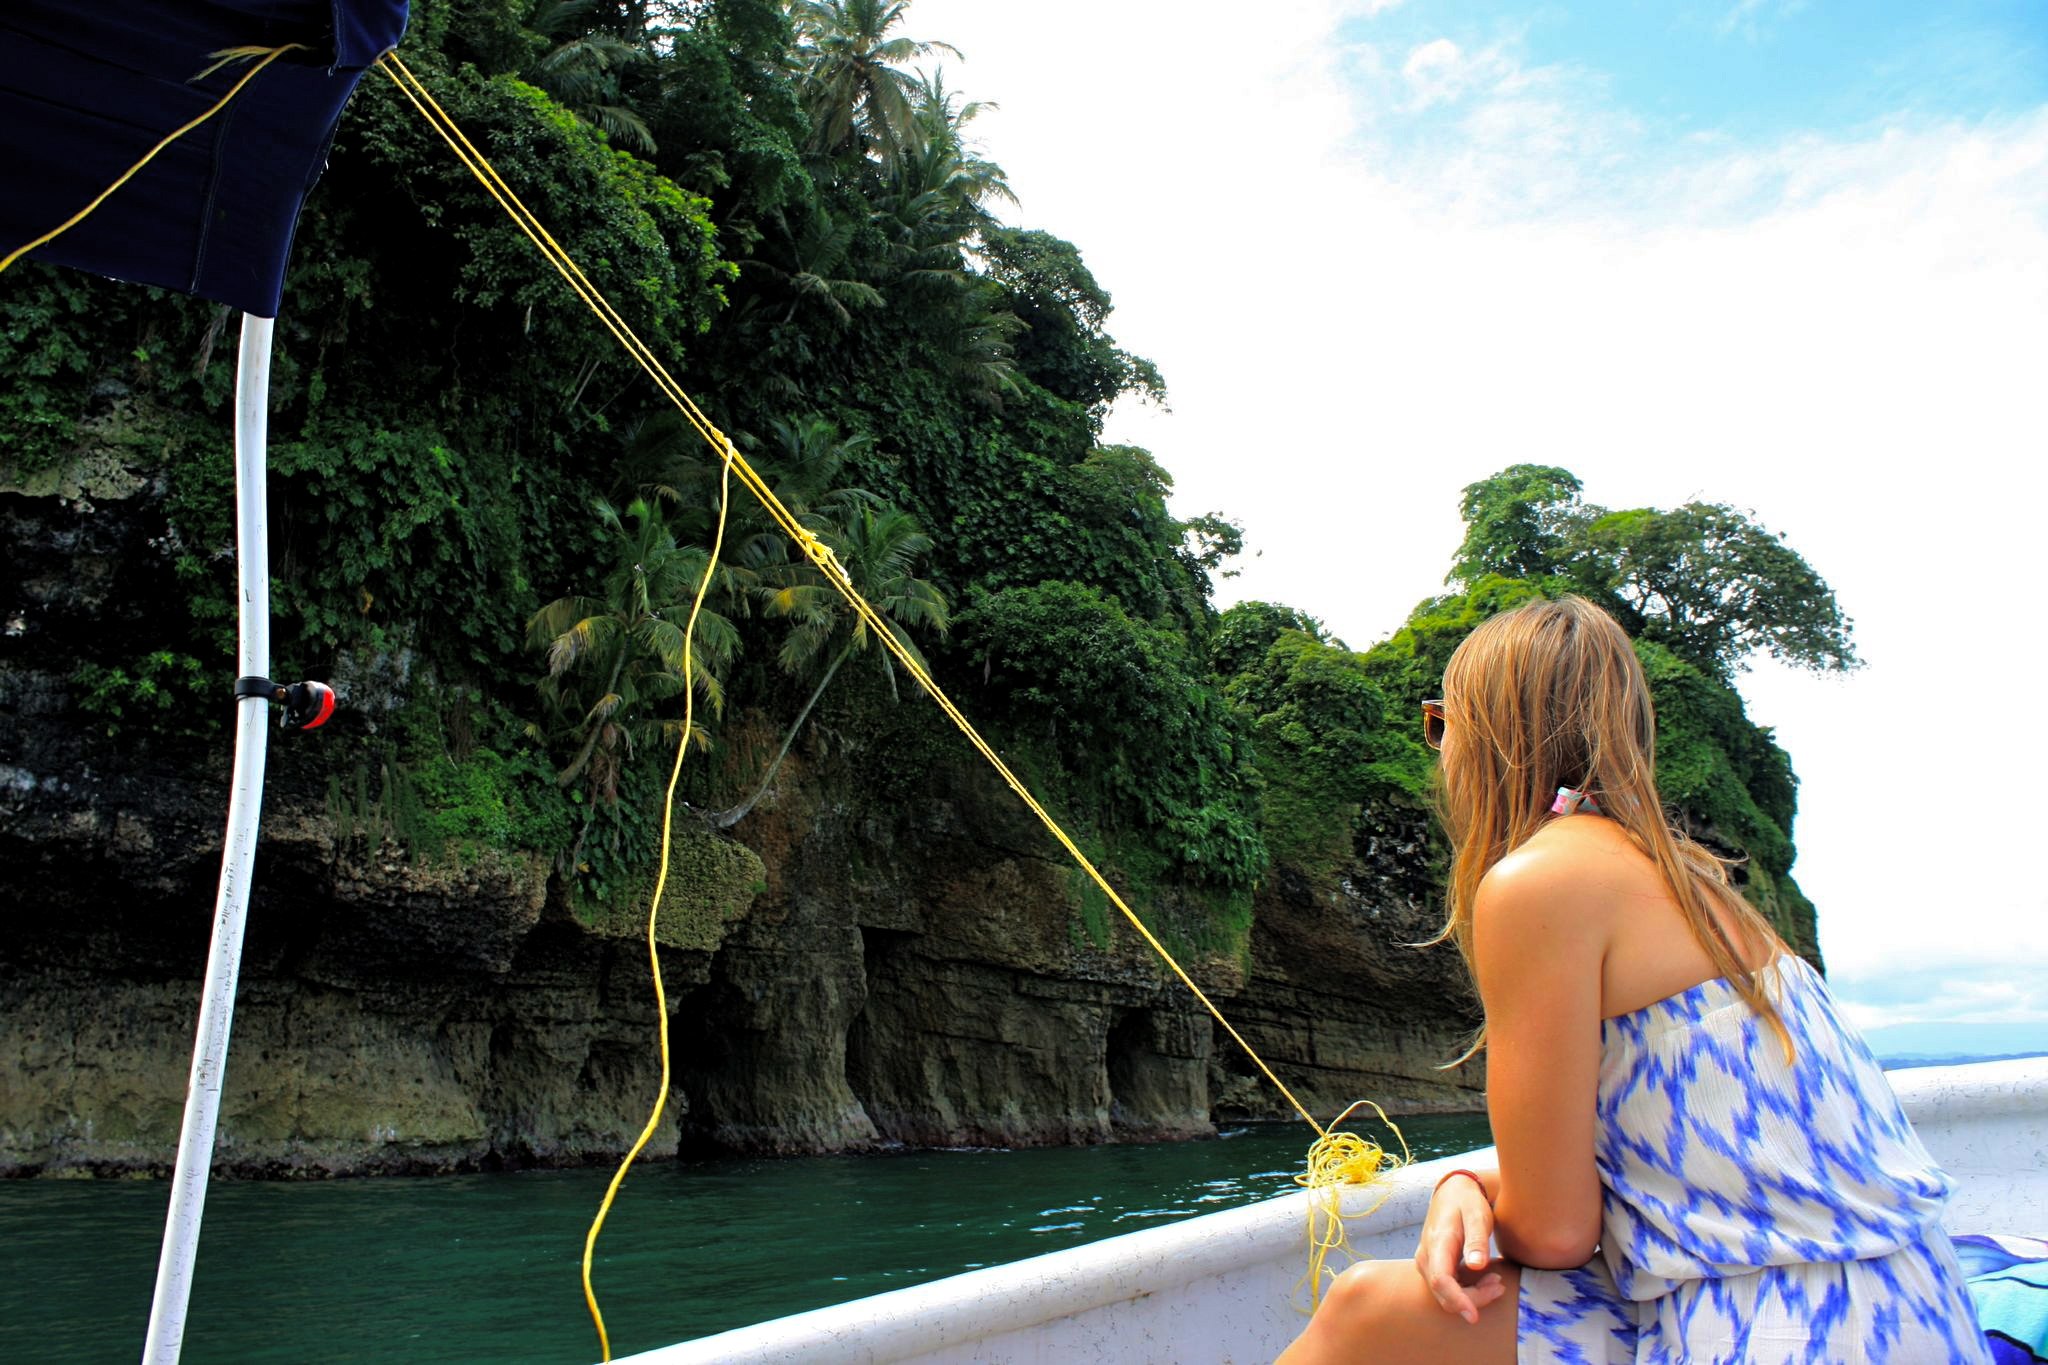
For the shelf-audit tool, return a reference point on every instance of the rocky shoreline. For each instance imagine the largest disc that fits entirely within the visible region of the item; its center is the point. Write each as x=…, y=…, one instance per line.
x=849, y=976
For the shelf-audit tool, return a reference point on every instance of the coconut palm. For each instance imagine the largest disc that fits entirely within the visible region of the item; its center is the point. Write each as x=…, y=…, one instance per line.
x=878, y=548
x=817, y=250
x=613, y=656
x=584, y=71
x=855, y=91
x=977, y=342
x=945, y=161
x=806, y=462
x=932, y=214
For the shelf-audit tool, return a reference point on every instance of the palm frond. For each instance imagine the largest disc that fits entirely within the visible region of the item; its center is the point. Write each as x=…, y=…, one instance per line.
x=603, y=708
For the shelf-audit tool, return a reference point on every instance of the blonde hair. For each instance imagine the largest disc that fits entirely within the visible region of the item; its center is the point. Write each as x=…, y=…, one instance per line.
x=1551, y=695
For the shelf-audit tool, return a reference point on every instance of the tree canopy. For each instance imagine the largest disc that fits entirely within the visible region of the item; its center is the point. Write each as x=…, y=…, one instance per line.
x=1518, y=524
x=1700, y=588
x=1705, y=580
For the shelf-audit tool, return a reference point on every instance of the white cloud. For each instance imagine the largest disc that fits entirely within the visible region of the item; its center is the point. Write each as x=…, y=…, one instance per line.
x=1842, y=331
x=1483, y=130
x=1751, y=18
x=1436, y=71
x=1963, y=984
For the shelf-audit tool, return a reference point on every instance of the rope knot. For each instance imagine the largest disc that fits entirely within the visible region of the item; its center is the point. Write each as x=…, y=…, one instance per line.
x=823, y=556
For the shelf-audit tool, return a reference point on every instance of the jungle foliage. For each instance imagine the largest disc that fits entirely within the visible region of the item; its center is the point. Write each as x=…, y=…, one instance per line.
x=1704, y=580
x=1700, y=588
x=489, y=530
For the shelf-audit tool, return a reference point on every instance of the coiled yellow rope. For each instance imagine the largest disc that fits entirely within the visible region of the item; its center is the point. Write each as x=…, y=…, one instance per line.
x=1335, y=1157
x=1335, y=1160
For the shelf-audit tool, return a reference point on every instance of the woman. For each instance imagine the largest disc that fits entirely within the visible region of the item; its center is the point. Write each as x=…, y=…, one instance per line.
x=1669, y=1086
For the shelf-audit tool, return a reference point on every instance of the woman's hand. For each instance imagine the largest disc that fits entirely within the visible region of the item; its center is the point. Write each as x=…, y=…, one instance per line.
x=1451, y=1256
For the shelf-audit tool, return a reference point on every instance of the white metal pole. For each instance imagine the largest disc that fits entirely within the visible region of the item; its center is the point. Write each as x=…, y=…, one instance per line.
x=238, y=859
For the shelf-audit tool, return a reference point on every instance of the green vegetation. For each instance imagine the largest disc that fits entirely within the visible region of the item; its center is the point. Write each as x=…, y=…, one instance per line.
x=489, y=530
x=711, y=883
x=874, y=552
x=612, y=657
x=1704, y=580
x=1128, y=711
x=1701, y=588
x=156, y=690
x=1323, y=740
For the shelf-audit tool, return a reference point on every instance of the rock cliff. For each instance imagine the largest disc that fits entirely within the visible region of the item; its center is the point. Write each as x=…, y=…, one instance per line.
x=887, y=953
x=910, y=972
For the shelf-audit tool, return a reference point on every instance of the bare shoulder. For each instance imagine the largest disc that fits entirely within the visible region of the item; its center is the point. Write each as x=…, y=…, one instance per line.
x=1571, y=880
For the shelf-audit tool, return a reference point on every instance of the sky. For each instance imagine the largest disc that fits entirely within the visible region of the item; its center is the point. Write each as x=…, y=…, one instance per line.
x=1790, y=256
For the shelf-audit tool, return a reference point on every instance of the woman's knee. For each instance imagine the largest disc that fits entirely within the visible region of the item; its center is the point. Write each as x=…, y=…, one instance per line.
x=1384, y=1312
x=1369, y=1294
x=1354, y=1308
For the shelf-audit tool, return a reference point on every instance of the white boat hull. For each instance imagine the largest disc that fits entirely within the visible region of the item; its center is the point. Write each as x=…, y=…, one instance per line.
x=1225, y=1287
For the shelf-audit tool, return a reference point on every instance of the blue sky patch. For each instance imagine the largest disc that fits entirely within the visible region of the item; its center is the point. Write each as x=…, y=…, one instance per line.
x=1746, y=70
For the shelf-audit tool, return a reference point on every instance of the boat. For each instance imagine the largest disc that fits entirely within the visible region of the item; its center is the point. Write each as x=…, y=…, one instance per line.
x=1228, y=1287
x=1224, y=1287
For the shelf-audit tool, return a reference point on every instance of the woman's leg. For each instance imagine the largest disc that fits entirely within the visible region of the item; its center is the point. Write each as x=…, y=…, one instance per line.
x=1381, y=1313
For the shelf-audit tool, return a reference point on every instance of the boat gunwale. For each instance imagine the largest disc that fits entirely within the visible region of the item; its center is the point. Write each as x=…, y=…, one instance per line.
x=947, y=1314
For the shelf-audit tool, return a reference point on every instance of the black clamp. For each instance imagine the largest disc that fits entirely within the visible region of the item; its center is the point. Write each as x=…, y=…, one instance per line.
x=307, y=705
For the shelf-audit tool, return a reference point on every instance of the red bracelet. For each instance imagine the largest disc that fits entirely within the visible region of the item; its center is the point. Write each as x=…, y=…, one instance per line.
x=1461, y=1171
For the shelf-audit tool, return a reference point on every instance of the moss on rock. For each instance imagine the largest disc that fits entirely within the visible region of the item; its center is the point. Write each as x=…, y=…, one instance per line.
x=712, y=883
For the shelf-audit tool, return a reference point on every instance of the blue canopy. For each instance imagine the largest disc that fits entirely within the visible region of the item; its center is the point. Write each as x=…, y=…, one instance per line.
x=86, y=89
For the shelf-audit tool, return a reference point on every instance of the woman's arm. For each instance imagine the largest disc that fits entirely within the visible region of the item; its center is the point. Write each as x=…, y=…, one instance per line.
x=1540, y=932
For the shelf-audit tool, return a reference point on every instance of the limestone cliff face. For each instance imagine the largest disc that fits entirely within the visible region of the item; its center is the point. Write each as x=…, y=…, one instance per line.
x=1338, y=994
x=911, y=974
x=875, y=959
x=914, y=973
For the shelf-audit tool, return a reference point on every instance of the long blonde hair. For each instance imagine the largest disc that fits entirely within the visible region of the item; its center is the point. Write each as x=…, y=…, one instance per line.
x=1551, y=695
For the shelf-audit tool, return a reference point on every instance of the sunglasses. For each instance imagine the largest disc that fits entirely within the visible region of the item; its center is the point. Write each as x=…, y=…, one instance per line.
x=1433, y=723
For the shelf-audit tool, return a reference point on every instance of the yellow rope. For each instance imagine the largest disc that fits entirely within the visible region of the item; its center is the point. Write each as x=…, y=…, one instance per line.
x=654, y=910
x=222, y=58
x=1335, y=1160
x=1335, y=1156
x=819, y=553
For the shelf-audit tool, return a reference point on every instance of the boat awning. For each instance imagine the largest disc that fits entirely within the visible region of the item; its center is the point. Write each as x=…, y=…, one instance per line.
x=87, y=89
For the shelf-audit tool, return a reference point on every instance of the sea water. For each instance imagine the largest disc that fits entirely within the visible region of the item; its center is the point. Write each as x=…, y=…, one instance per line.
x=486, y=1267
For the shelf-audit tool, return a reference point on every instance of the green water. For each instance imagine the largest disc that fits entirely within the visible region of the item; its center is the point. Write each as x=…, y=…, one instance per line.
x=485, y=1267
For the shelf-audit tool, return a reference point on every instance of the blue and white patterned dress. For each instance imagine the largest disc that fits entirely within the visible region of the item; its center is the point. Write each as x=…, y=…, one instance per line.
x=1754, y=1211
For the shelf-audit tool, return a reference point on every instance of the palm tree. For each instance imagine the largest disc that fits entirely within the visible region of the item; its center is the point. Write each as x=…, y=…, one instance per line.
x=583, y=72
x=976, y=341
x=612, y=657
x=854, y=90
x=945, y=162
x=877, y=547
x=805, y=462
x=817, y=250
x=932, y=213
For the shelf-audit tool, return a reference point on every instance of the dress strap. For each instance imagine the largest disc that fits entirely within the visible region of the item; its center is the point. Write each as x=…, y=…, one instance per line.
x=1571, y=801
